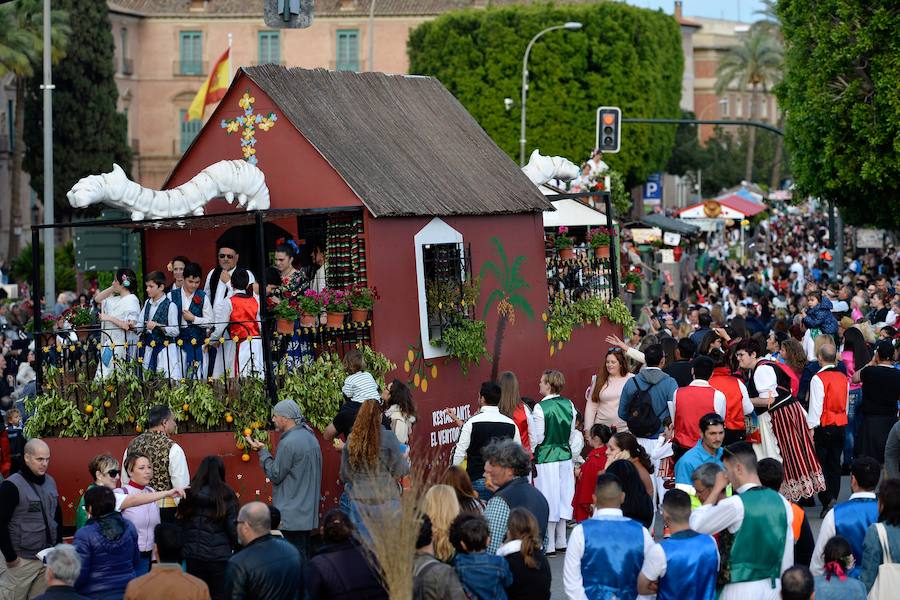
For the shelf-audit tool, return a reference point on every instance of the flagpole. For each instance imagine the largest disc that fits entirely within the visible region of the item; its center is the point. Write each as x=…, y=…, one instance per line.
x=230, y=71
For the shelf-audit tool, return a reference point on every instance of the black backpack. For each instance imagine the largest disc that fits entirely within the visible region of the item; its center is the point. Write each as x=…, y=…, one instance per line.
x=642, y=420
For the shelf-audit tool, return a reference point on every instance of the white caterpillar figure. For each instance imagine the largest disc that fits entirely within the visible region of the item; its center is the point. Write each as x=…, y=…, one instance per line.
x=541, y=169
x=228, y=178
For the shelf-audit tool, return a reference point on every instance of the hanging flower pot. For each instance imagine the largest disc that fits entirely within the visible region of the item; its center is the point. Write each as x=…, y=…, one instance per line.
x=601, y=251
x=566, y=253
x=359, y=315
x=82, y=333
x=677, y=252
x=285, y=326
x=335, y=319
x=307, y=320
x=630, y=287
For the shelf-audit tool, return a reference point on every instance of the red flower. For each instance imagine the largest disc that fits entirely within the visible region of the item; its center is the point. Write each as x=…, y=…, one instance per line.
x=197, y=300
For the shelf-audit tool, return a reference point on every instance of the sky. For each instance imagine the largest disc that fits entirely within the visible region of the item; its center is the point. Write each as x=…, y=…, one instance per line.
x=735, y=10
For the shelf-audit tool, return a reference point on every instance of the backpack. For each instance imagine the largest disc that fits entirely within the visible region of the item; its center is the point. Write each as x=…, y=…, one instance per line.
x=642, y=420
x=418, y=587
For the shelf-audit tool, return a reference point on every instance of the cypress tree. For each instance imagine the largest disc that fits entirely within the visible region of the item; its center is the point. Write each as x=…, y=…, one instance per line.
x=88, y=134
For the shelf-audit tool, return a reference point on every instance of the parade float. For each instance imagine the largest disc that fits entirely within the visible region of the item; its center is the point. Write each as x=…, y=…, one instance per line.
x=406, y=194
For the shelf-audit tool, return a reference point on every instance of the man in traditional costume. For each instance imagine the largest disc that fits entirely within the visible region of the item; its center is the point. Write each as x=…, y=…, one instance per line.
x=195, y=314
x=761, y=521
x=218, y=288
x=557, y=442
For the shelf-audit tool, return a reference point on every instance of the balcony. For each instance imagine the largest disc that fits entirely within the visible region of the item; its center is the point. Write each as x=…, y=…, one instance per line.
x=189, y=68
x=127, y=66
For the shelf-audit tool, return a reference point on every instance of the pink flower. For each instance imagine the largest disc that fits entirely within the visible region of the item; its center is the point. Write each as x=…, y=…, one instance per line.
x=563, y=229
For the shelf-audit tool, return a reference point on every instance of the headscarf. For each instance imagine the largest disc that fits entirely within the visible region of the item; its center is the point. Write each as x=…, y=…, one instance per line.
x=289, y=410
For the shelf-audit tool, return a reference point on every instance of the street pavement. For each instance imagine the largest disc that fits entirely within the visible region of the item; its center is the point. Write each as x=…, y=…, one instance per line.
x=812, y=514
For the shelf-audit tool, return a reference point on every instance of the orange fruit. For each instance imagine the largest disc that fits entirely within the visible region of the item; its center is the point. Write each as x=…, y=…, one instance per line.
x=229, y=418
x=247, y=431
x=185, y=407
x=88, y=409
x=239, y=445
x=245, y=457
x=107, y=404
x=138, y=428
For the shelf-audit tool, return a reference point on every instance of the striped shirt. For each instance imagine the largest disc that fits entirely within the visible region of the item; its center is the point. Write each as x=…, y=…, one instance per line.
x=360, y=387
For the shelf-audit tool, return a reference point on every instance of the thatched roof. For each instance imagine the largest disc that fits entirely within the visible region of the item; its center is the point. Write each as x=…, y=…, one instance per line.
x=404, y=144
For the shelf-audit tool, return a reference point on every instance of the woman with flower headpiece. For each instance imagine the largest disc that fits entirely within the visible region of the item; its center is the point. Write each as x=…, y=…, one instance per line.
x=119, y=313
x=293, y=284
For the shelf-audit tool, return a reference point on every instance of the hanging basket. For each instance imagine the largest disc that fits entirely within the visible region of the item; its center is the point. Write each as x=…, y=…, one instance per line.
x=307, y=320
x=82, y=333
x=631, y=288
x=335, y=320
x=601, y=251
x=566, y=253
x=285, y=326
x=359, y=315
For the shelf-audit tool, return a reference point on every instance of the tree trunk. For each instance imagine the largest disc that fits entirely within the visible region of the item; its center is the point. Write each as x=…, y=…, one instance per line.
x=751, y=138
x=779, y=157
x=15, y=176
x=498, y=345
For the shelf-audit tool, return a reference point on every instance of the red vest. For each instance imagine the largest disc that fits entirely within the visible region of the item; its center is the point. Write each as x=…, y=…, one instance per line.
x=691, y=403
x=834, y=405
x=243, y=317
x=520, y=418
x=729, y=385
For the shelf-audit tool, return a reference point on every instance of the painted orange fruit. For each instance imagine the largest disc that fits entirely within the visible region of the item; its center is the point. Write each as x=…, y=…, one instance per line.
x=245, y=457
x=88, y=409
x=247, y=431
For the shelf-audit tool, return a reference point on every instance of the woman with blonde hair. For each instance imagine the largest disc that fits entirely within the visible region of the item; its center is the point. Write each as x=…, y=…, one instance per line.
x=602, y=398
x=371, y=462
x=441, y=506
x=512, y=406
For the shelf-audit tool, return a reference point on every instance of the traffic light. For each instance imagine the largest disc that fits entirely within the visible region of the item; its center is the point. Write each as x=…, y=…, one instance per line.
x=609, y=129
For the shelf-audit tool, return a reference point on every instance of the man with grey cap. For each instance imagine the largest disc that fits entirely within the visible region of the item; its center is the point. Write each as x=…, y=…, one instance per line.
x=295, y=472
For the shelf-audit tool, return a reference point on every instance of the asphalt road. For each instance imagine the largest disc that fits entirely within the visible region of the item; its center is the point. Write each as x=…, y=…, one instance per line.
x=812, y=514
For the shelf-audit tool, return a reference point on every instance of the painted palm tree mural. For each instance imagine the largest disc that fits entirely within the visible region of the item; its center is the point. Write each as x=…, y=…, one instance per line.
x=508, y=296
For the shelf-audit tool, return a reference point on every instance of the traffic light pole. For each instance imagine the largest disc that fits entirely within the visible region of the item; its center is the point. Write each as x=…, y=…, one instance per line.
x=759, y=124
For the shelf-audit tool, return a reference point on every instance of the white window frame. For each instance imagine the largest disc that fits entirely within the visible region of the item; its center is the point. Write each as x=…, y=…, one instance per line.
x=436, y=232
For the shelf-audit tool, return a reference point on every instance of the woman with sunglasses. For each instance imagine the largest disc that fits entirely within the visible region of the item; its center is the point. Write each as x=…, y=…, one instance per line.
x=602, y=397
x=105, y=471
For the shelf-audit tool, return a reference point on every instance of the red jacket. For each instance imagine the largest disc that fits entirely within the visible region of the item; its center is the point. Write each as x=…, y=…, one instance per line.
x=582, y=501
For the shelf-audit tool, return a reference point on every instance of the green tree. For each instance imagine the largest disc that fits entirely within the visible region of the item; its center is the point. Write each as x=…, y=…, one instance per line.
x=754, y=64
x=687, y=154
x=88, y=134
x=843, y=110
x=623, y=56
x=725, y=155
x=507, y=296
x=21, y=45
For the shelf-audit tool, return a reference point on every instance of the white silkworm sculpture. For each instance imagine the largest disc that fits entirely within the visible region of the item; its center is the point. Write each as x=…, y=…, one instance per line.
x=541, y=169
x=228, y=178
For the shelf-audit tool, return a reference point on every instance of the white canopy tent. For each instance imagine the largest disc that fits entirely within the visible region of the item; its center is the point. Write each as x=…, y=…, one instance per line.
x=571, y=213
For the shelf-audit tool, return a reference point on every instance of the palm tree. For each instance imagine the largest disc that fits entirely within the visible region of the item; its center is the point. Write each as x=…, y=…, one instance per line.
x=21, y=42
x=752, y=65
x=507, y=296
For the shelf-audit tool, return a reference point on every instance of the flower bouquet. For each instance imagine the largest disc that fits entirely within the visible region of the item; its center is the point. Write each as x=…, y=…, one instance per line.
x=80, y=318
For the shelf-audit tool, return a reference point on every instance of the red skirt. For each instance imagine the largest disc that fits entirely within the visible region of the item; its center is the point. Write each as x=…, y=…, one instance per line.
x=802, y=471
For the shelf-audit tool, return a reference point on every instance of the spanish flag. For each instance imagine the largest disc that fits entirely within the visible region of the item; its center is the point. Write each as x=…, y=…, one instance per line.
x=213, y=88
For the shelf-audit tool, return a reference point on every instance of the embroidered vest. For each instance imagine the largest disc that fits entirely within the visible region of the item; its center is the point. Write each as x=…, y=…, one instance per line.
x=559, y=414
x=851, y=520
x=759, y=543
x=161, y=316
x=834, y=405
x=243, y=317
x=155, y=445
x=613, y=556
x=729, y=385
x=692, y=561
x=189, y=331
x=691, y=403
x=783, y=387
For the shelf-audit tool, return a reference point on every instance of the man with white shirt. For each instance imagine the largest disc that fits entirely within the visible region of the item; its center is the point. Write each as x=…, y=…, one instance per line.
x=692, y=402
x=558, y=440
x=606, y=552
x=195, y=315
x=218, y=285
x=686, y=564
x=761, y=521
x=829, y=394
x=852, y=518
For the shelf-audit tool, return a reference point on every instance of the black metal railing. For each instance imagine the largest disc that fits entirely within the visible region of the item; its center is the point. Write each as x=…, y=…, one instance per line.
x=584, y=274
x=450, y=290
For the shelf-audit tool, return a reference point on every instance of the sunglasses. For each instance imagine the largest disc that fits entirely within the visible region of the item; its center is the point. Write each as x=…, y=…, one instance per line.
x=613, y=349
x=226, y=256
x=113, y=472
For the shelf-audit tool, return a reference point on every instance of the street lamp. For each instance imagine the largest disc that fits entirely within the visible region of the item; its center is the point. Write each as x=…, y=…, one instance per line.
x=571, y=26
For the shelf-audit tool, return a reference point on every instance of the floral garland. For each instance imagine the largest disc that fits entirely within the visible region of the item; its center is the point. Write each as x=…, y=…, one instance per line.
x=248, y=123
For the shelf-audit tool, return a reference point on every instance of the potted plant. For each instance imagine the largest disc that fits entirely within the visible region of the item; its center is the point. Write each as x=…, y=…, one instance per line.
x=600, y=239
x=310, y=305
x=564, y=243
x=285, y=312
x=80, y=319
x=361, y=299
x=336, y=304
x=632, y=279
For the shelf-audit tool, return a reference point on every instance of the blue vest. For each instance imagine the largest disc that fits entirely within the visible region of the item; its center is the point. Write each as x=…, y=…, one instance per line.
x=692, y=563
x=613, y=557
x=192, y=336
x=161, y=316
x=851, y=520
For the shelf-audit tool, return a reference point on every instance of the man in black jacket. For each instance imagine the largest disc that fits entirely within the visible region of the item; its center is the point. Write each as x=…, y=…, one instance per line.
x=267, y=568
